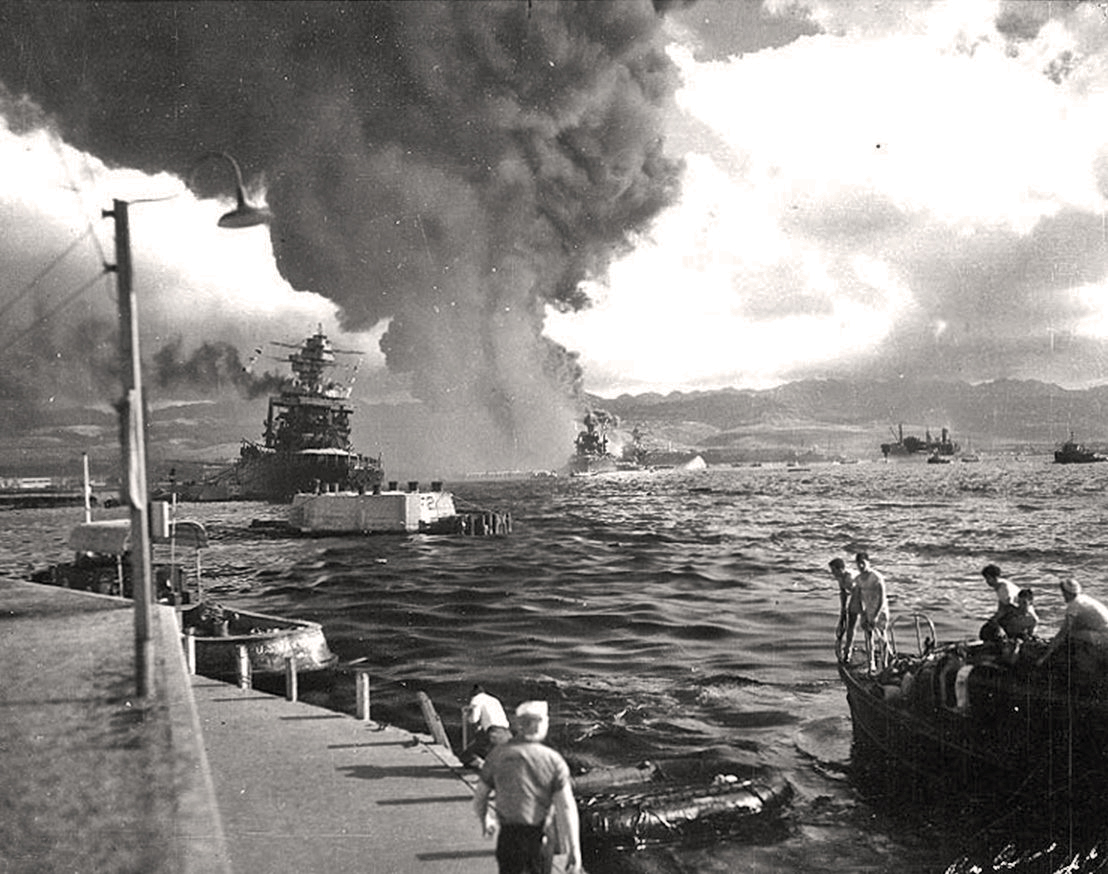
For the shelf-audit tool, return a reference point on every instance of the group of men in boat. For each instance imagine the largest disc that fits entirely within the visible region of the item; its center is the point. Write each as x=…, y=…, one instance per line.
x=864, y=600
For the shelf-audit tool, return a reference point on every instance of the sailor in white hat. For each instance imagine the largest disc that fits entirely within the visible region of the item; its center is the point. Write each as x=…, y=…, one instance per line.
x=531, y=782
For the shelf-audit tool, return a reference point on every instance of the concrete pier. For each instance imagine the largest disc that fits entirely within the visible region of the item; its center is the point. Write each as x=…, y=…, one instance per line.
x=203, y=778
x=304, y=789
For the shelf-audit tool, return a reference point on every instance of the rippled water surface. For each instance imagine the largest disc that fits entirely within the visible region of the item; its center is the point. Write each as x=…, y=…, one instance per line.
x=677, y=612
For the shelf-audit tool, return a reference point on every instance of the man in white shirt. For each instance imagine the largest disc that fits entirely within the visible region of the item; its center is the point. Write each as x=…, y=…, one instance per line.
x=488, y=725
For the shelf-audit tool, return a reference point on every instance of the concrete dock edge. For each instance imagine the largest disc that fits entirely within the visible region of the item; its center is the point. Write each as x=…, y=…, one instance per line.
x=200, y=846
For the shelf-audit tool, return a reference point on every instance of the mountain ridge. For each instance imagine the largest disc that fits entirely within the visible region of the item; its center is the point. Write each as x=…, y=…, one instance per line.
x=829, y=418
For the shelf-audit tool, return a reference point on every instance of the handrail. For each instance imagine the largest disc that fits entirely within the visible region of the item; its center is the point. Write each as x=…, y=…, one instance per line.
x=923, y=645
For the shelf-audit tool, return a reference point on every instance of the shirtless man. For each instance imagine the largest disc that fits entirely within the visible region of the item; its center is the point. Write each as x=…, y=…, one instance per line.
x=1006, y=594
x=1084, y=628
x=870, y=586
x=850, y=608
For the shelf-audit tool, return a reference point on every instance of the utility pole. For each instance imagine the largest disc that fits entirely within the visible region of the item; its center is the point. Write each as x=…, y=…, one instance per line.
x=132, y=432
x=132, y=414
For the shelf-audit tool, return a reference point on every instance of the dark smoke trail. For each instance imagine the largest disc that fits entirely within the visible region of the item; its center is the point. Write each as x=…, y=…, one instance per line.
x=213, y=366
x=453, y=168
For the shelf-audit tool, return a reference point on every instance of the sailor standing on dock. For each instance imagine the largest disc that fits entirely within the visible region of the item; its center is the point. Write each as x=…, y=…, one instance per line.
x=532, y=784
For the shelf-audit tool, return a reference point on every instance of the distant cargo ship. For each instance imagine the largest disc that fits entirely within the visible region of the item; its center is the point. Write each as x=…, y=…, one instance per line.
x=306, y=446
x=913, y=447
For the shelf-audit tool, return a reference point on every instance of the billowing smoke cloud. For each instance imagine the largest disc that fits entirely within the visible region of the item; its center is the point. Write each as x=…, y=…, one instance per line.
x=212, y=365
x=450, y=168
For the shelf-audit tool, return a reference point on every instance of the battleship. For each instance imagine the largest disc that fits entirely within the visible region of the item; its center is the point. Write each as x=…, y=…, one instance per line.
x=306, y=444
x=912, y=447
x=592, y=455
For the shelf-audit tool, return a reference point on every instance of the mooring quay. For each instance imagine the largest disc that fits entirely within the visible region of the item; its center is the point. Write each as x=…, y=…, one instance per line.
x=205, y=778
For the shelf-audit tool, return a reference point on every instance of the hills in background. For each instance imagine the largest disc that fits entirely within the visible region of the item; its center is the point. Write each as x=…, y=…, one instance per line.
x=850, y=419
x=807, y=420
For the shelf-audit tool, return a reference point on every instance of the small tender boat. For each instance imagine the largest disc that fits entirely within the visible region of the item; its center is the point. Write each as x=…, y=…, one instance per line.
x=679, y=800
x=101, y=549
x=982, y=717
x=269, y=641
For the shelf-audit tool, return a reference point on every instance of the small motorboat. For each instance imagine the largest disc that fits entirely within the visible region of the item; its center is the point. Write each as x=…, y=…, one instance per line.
x=101, y=565
x=981, y=717
x=677, y=800
x=220, y=632
x=100, y=559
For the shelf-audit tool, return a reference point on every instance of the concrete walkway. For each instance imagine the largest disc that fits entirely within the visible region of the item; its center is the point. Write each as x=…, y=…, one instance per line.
x=203, y=778
x=95, y=779
x=308, y=790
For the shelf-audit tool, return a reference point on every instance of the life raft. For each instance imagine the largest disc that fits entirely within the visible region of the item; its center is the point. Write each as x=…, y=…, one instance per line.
x=656, y=808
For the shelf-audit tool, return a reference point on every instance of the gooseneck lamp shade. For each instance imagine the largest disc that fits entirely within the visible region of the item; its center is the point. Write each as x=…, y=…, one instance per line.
x=244, y=215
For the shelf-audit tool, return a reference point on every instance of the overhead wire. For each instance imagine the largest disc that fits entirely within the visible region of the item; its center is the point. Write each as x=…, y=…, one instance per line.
x=72, y=296
x=76, y=186
x=30, y=286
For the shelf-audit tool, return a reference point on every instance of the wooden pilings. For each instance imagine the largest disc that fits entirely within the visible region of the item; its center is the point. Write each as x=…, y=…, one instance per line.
x=465, y=728
x=292, y=680
x=361, y=687
x=190, y=651
x=483, y=523
x=434, y=724
x=242, y=664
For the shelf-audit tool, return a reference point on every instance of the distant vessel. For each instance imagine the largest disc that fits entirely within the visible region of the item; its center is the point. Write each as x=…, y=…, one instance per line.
x=1074, y=453
x=592, y=455
x=306, y=445
x=913, y=447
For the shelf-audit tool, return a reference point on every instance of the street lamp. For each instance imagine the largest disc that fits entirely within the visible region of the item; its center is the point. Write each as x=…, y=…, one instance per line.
x=132, y=419
x=243, y=215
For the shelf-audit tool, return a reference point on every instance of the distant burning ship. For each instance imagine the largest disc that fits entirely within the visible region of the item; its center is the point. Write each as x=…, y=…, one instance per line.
x=592, y=454
x=306, y=444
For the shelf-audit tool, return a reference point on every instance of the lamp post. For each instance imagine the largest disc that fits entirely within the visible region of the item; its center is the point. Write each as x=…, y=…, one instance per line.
x=132, y=418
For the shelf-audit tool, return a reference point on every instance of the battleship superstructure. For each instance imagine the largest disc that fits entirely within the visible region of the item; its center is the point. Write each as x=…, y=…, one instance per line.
x=306, y=444
x=592, y=455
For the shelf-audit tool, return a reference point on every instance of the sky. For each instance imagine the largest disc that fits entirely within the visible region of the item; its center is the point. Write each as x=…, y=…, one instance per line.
x=887, y=190
x=504, y=205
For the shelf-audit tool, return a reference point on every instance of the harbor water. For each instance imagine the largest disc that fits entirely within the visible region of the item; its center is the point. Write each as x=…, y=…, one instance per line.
x=674, y=613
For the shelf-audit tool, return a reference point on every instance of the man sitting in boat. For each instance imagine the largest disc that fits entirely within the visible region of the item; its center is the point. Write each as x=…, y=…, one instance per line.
x=1084, y=630
x=1019, y=622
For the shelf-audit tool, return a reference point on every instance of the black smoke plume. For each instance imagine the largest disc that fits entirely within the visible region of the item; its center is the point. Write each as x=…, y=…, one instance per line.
x=451, y=167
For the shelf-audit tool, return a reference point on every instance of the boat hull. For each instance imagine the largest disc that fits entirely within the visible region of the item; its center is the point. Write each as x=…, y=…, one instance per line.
x=587, y=465
x=278, y=477
x=269, y=641
x=966, y=720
